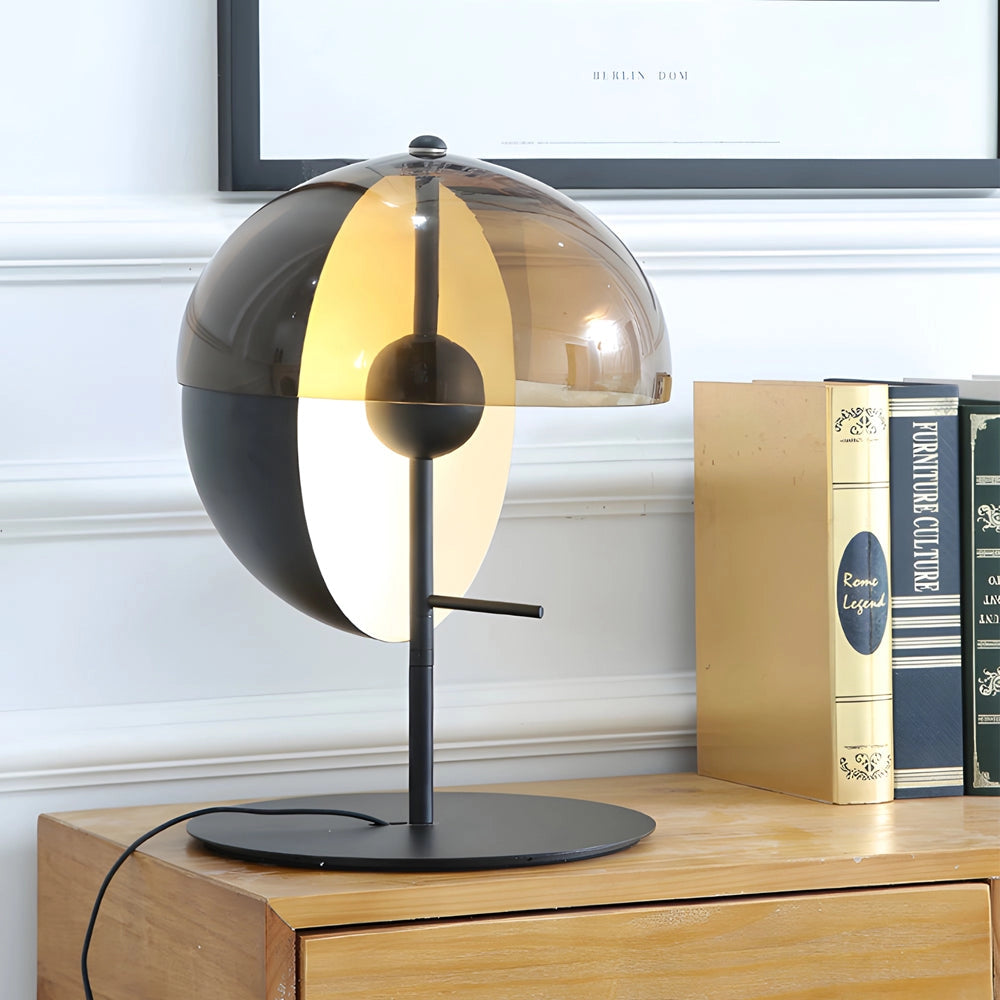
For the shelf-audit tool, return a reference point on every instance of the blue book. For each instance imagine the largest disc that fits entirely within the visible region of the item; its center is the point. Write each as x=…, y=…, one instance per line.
x=926, y=588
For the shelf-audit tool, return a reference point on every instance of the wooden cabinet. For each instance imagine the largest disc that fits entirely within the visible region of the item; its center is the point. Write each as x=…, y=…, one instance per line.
x=738, y=893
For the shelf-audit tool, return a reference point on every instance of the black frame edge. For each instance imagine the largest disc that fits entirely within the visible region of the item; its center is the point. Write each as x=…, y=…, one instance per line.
x=242, y=169
x=225, y=94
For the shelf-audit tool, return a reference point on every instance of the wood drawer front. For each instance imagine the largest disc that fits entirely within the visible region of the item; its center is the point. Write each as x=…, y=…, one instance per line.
x=916, y=942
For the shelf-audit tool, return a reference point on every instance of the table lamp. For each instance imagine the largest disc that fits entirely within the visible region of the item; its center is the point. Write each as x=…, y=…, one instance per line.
x=351, y=359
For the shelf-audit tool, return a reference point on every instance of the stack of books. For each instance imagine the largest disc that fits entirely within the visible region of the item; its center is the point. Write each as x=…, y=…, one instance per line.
x=847, y=587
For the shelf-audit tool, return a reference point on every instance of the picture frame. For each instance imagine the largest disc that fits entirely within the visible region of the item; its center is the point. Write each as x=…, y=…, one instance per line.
x=246, y=165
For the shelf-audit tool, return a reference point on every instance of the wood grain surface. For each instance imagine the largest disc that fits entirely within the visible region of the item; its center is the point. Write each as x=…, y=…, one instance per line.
x=162, y=932
x=712, y=838
x=995, y=910
x=823, y=945
x=184, y=917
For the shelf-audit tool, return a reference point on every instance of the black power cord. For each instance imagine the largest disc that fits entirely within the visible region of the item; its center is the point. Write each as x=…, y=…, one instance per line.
x=136, y=844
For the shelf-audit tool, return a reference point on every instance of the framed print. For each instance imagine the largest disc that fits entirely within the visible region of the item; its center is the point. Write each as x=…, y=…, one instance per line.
x=602, y=94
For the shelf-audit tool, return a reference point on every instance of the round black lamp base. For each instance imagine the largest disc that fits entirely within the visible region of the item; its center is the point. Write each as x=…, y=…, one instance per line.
x=471, y=830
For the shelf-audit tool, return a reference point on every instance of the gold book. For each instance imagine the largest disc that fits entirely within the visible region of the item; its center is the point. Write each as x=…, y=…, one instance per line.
x=792, y=589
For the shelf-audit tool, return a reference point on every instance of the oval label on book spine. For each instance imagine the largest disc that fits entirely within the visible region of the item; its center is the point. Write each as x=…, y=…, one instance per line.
x=863, y=592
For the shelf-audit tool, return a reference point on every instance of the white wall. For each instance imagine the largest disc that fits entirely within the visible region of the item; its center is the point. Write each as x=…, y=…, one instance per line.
x=140, y=663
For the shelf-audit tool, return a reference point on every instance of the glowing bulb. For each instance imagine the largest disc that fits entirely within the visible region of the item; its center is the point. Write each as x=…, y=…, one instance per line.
x=605, y=333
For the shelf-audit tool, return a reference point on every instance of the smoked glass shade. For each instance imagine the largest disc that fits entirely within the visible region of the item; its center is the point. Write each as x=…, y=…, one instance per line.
x=391, y=310
x=304, y=296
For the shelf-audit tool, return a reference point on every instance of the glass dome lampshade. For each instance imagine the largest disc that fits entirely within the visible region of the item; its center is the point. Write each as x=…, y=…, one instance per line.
x=375, y=323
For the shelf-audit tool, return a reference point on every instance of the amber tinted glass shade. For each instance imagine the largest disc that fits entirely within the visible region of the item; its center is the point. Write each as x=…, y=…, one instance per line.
x=313, y=287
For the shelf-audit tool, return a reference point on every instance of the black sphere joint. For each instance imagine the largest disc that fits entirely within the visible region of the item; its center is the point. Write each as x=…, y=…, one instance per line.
x=424, y=396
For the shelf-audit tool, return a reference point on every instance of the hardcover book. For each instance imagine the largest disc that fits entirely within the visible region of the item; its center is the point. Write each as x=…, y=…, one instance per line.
x=792, y=588
x=979, y=499
x=980, y=438
x=926, y=584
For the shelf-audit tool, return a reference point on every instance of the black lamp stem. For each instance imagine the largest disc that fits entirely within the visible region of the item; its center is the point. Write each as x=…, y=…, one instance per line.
x=421, y=700
x=425, y=298
x=421, y=703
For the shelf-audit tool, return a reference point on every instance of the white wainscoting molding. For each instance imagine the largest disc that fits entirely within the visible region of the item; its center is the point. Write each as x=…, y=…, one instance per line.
x=155, y=239
x=76, y=499
x=115, y=744
x=96, y=240
x=809, y=235
x=171, y=238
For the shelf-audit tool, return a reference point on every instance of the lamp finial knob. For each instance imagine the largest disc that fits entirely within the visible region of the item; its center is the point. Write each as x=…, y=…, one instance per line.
x=428, y=147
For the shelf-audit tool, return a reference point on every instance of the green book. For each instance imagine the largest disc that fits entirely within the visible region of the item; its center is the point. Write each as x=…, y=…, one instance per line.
x=979, y=427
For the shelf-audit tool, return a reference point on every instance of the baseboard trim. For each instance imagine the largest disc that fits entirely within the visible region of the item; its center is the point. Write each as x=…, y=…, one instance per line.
x=333, y=730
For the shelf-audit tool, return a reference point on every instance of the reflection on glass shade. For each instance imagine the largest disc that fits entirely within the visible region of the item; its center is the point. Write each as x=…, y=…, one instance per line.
x=397, y=309
x=304, y=296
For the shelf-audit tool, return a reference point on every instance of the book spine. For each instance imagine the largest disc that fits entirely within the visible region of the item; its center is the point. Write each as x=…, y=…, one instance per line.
x=926, y=583
x=858, y=429
x=980, y=495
